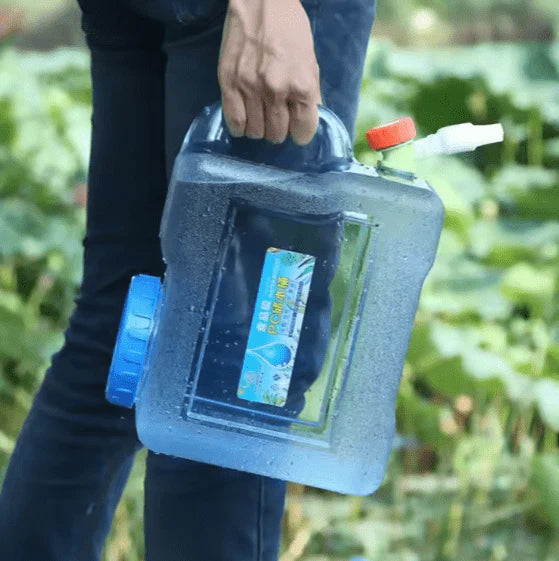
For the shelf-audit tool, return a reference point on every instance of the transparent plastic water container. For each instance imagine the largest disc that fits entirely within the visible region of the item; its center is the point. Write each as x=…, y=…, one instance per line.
x=276, y=340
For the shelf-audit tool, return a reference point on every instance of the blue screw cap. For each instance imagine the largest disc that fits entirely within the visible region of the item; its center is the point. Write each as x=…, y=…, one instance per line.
x=136, y=325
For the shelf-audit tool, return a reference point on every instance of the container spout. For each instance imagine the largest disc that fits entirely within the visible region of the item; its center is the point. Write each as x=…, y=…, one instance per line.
x=455, y=139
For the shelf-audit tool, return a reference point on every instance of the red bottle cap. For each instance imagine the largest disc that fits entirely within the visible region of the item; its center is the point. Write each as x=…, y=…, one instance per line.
x=393, y=133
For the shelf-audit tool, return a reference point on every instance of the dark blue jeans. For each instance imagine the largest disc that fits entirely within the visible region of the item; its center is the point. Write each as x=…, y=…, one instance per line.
x=154, y=66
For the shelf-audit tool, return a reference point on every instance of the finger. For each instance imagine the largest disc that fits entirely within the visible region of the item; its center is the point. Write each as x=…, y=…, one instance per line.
x=234, y=111
x=303, y=121
x=255, y=127
x=317, y=86
x=277, y=120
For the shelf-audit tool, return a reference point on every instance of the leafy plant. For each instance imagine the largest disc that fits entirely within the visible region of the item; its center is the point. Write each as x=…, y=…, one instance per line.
x=44, y=124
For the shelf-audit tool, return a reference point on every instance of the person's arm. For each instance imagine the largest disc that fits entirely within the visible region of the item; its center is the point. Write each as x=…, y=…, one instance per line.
x=267, y=71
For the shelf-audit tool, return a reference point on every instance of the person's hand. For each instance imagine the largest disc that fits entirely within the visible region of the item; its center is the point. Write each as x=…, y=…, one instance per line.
x=267, y=71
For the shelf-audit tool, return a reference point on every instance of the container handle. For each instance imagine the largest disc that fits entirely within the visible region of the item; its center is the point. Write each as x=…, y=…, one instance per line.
x=329, y=150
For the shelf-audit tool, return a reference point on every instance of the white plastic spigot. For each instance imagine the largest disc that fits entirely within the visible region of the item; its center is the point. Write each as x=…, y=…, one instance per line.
x=455, y=139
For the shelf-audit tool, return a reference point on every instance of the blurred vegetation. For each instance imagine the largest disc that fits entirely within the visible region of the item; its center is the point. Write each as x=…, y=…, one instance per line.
x=435, y=22
x=475, y=470
x=44, y=145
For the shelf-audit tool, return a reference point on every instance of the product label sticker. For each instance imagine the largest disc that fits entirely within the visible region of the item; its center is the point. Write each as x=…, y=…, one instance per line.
x=276, y=326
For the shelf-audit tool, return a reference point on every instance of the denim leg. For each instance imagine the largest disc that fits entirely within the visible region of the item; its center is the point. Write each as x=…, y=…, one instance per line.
x=194, y=511
x=75, y=450
x=197, y=512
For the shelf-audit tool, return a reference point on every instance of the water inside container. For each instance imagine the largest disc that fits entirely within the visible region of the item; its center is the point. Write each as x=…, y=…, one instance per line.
x=283, y=299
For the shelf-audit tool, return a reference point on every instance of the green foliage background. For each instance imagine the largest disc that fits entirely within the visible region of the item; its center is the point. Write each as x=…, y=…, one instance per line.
x=475, y=471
